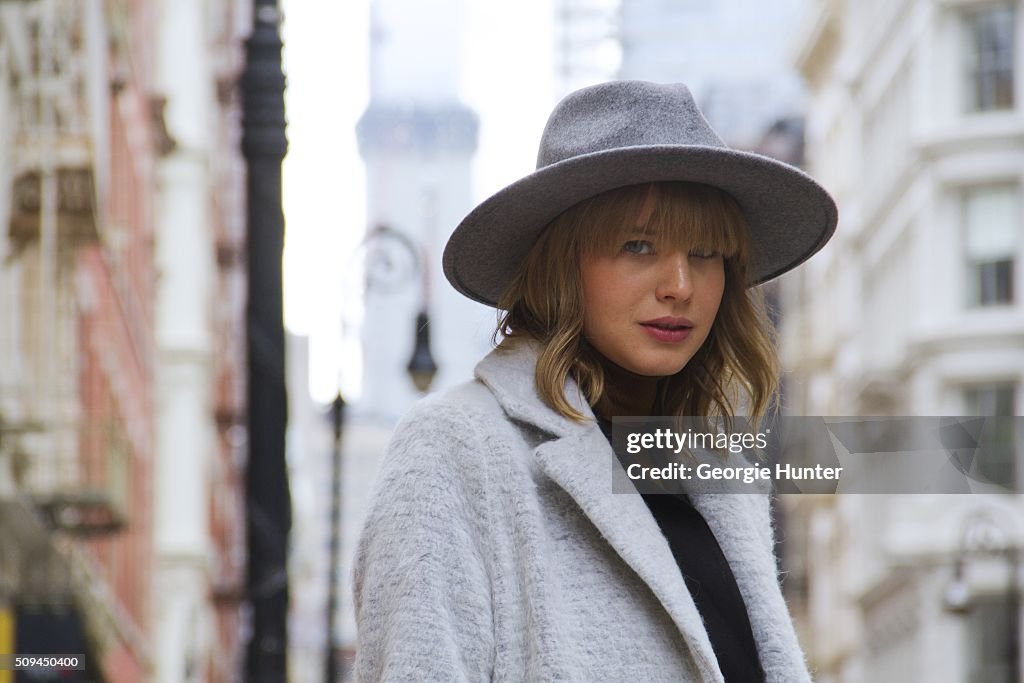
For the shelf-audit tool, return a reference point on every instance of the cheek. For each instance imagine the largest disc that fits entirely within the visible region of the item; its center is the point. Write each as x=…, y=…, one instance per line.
x=608, y=298
x=599, y=282
x=713, y=286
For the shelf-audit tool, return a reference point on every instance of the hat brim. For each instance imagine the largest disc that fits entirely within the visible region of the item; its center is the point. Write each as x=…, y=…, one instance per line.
x=790, y=216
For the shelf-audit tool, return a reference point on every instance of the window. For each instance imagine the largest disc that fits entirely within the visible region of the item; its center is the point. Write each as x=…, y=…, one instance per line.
x=990, y=56
x=991, y=218
x=990, y=399
x=996, y=456
x=993, y=631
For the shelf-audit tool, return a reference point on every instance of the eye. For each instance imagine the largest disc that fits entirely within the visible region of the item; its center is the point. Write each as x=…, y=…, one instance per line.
x=639, y=247
x=705, y=254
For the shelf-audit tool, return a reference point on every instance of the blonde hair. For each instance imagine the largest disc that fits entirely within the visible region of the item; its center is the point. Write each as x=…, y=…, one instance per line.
x=737, y=364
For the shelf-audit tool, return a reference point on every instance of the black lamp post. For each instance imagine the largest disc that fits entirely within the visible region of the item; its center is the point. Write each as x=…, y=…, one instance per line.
x=268, y=501
x=331, y=656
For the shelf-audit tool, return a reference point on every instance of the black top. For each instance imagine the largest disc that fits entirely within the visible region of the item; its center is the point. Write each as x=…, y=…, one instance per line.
x=710, y=580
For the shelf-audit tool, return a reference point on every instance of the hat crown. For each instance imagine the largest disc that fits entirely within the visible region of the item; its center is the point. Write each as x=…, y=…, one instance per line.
x=623, y=114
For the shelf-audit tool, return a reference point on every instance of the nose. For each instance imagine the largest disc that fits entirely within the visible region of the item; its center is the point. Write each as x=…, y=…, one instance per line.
x=675, y=281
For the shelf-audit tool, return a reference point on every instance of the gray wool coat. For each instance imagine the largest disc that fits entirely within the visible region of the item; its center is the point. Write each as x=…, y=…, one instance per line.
x=495, y=550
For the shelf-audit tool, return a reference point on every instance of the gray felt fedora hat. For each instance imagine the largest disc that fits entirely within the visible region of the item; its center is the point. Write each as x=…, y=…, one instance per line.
x=626, y=133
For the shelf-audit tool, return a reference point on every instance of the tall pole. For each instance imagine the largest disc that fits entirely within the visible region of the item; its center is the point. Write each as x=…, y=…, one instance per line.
x=330, y=653
x=1016, y=654
x=268, y=502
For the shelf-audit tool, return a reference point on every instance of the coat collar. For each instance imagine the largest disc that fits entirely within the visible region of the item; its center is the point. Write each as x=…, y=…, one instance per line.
x=579, y=459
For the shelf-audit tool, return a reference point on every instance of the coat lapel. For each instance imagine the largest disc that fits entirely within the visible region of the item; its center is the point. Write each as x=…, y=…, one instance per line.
x=741, y=524
x=582, y=466
x=579, y=459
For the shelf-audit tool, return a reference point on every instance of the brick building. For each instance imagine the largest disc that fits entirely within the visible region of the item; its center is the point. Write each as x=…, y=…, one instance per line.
x=121, y=300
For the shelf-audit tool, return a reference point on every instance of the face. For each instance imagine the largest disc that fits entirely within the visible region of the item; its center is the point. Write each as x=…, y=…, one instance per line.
x=649, y=307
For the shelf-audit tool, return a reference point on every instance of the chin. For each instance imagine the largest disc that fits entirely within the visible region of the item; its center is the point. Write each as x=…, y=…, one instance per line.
x=660, y=369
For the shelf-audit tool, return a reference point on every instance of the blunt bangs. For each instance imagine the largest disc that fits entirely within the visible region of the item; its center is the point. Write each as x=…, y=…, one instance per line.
x=690, y=216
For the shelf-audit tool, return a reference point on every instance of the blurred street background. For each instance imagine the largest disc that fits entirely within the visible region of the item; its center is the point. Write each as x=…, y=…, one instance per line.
x=145, y=514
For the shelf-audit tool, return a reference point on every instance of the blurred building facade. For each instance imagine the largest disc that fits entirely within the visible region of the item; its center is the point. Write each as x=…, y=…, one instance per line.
x=916, y=307
x=200, y=252
x=78, y=304
x=121, y=296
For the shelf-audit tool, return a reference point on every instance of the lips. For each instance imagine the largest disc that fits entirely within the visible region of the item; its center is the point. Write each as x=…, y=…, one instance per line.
x=668, y=323
x=668, y=329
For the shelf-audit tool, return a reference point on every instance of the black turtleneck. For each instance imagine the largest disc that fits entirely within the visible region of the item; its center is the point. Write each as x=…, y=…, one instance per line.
x=625, y=393
x=701, y=561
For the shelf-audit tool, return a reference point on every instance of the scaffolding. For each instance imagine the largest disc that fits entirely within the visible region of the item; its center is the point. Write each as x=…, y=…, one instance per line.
x=587, y=50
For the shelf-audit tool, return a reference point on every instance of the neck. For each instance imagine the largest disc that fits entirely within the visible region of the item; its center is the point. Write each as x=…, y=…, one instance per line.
x=625, y=393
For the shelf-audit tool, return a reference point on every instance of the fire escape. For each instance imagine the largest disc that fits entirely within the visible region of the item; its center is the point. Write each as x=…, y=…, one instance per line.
x=57, y=179
x=58, y=95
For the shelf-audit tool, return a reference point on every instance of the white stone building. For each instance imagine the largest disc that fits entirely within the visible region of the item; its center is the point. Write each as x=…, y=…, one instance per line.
x=417, y=140
x=916, y=307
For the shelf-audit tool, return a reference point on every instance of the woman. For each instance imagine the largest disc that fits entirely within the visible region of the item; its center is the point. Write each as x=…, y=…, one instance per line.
x=495, y=549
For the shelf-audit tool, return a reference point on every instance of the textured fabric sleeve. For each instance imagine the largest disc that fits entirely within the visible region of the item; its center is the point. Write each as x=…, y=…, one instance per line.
x=422, y=592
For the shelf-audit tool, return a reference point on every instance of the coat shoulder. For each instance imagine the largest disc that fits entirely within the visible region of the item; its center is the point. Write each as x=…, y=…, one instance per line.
x=467, y=401
x=449, y=431
x=465, y=409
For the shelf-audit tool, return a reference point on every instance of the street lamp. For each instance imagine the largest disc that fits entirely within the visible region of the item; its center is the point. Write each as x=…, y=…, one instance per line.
x=392, y=261
x=983, y=537
x=421, y=367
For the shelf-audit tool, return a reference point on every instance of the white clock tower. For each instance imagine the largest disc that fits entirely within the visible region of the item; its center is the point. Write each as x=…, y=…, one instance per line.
x=417, y=141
